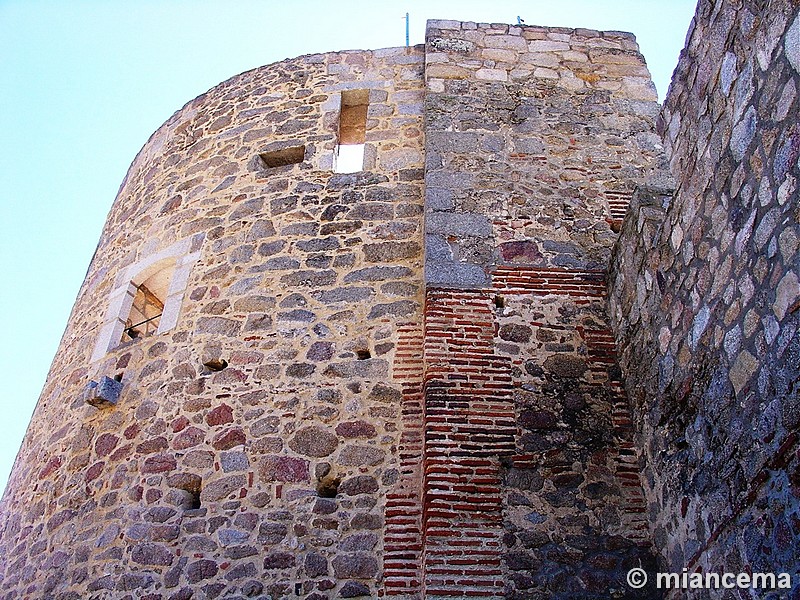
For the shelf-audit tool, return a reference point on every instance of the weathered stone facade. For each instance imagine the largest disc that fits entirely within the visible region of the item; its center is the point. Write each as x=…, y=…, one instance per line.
x=305, y=284
x=403, y=381
x=704, y=296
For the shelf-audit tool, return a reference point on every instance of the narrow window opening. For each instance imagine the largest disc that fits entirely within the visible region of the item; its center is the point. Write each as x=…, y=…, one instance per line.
x=352, y=131
x=147, y=296
x=148, y=306
x=499, y=302
x=363, y=354
x=281, y=158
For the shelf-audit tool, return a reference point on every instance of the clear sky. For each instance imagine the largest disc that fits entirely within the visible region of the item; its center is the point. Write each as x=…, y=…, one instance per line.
x=84, y=83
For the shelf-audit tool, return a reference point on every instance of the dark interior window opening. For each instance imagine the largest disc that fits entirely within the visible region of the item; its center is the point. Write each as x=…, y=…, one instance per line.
x=193, y=502
x=352, y=131
x=281, y=158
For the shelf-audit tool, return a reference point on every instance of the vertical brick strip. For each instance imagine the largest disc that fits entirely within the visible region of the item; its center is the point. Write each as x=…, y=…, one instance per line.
x=618, y=202
x=469, y=423
x=403, y=534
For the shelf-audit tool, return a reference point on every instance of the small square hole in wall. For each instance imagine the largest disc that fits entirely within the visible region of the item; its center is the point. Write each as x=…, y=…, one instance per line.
x=281, y=158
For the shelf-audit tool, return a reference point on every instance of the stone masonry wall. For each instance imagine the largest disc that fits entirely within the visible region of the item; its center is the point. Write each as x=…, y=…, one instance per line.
x=403, y=381
x=704, y=298
x=535, y=138
x=308, y=284
x=534, y=141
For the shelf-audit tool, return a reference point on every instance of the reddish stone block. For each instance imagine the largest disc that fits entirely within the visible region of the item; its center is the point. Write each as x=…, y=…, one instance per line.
x=192, y=436
x=179, y=424
x=159, y=464
x=283, y=468
x=152, y=445
x=229, y=439
x=220, y=415
x=105, y=444
x=53, y=464
x=279, y=560
x=201, y=569
x=60, y=518
x=94, y=471
x=122, y=452
x=152, y=554
x=354, y=429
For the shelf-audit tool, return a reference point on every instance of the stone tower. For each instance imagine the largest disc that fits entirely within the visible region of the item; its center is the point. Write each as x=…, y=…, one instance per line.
x=345, y=335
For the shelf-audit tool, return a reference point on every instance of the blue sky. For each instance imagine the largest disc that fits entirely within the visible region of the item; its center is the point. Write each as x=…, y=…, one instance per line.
x=85, y=83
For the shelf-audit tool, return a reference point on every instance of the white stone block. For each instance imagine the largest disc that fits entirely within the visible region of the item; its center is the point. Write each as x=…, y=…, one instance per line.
x=492, y=74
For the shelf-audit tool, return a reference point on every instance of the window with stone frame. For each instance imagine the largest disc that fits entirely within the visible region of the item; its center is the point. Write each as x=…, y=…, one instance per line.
x=147, y=297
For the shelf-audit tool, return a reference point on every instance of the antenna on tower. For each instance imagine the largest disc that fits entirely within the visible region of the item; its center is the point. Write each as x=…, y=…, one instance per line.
x=406, y=17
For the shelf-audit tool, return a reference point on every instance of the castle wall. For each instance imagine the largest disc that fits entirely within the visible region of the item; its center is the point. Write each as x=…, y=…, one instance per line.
x=396, y=382
x=308, y=284
x=704, y=297
x=534, y=141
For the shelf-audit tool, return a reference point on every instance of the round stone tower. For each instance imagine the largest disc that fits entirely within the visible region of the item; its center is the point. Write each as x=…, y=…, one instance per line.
x=221, y=417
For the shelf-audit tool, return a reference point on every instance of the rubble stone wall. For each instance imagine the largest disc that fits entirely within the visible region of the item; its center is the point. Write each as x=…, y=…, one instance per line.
x=304, y=281
x=704, y=296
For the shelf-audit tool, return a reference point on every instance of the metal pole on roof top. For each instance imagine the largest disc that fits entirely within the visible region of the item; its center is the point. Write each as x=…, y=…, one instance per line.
x=407, y=30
